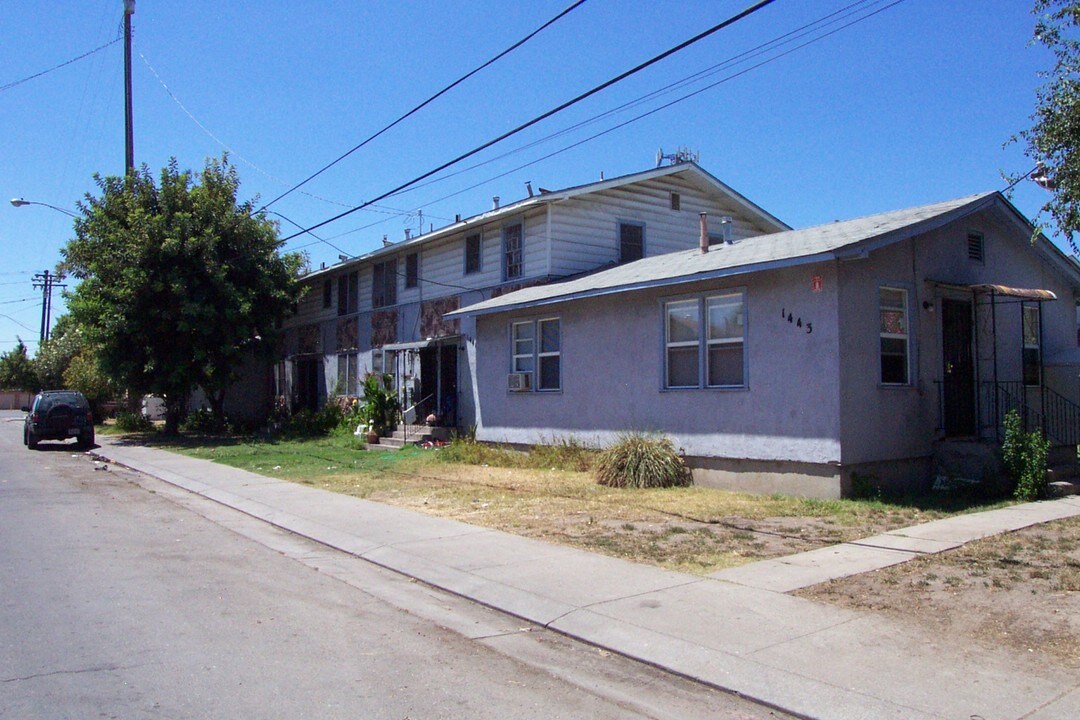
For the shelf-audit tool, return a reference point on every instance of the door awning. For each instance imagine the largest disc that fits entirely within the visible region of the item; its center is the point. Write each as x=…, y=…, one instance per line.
x=419, y=344
x=988, y=289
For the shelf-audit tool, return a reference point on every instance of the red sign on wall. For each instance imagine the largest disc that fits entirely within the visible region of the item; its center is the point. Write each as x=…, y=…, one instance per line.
x=815, y=283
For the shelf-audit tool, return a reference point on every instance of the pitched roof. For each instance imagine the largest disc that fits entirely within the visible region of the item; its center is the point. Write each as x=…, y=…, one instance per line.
x=850, y=238
x=694, y=171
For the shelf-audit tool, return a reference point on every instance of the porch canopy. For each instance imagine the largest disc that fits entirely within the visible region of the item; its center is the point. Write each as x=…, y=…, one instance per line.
x=955, y=410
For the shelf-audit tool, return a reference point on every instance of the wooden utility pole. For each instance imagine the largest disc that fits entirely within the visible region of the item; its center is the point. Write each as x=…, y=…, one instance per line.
x=129, y=142
x=46, y=282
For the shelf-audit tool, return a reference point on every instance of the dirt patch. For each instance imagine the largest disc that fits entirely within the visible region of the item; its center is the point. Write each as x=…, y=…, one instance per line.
x=1020, y=590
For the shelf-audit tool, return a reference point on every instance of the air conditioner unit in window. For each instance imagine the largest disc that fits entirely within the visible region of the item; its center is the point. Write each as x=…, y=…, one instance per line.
x=519, y=382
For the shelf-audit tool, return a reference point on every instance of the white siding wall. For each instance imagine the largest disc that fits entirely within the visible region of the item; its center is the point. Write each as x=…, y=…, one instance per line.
x=585, y=230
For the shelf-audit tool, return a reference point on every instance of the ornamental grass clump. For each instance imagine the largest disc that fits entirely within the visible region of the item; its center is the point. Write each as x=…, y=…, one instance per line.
x=642, y=461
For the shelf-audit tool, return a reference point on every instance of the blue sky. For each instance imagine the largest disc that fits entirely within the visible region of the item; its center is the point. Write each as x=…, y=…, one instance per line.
x=911, y=105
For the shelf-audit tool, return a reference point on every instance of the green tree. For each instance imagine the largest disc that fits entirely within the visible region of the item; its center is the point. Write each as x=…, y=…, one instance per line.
x=17, y=370
x=55, y=354
x=178, y=282
x=1053, y=140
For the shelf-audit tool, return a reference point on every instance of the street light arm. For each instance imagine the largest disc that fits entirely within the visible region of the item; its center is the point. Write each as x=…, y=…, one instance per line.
x=20, y=202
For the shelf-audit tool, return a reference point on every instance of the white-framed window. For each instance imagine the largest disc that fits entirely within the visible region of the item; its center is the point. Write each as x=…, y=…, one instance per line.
x=631, y=241
x=348, y=365
x=348, y=293
x=705, y=341
x=536, y=348
x=676, y=201
x=894, y=336
x=513, y=240
x=1032, y=347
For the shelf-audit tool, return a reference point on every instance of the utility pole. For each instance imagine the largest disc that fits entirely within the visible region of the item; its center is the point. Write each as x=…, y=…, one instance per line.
x=46, y=282
x=129, y=142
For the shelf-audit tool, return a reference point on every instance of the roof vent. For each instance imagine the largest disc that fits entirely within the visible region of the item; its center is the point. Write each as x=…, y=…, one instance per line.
x=408, y=233
x=726, y=223
x=457, y=218
x=703, y=238
x=495, y=202
x=528, y=186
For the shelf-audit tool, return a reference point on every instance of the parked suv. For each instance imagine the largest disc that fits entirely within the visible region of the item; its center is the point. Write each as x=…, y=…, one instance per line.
x=59, y=415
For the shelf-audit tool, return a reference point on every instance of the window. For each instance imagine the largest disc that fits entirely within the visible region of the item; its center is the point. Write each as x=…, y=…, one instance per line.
x=327, y=293
x=412, y=270
x=893, y=308
x=549, y=356
x=1032, y=346
x=536, y=348
x=676, y=201
x=472, y=253
x=719, y=361
x=347, y=374
x=512, y=251
x=384, y=283
x=975, y=247
x=348, y=293
x=631, y=242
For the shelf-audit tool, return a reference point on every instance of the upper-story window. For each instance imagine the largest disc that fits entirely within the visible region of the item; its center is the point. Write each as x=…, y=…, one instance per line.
x=512, y=251
x=327, y=293
x=412, y=270
x=676, y=201
x=893, y=309
x=348, y=289
x=384, y=283
x=631, y=241
x=472, y=253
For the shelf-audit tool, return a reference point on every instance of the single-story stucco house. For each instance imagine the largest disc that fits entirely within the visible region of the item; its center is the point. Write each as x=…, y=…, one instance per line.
x=798, y=361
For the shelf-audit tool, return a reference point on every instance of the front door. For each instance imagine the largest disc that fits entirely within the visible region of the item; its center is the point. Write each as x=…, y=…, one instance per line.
x=308, y=371
x=959, y=368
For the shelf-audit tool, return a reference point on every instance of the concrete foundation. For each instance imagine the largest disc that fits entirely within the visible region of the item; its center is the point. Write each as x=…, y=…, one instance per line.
x=766, y=477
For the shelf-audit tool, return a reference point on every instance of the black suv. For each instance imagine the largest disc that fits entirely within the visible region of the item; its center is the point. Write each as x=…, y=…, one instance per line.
x=59, y=415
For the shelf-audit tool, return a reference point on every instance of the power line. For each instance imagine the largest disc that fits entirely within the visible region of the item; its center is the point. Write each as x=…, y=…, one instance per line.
x=779, y=41
x=431, y=99
x=57, y=67
x=787, y=38
x=589, y=93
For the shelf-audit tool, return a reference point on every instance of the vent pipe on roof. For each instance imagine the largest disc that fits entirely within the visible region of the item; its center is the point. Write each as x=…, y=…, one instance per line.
x=726, y=223
x=528, y=186
x=457, y=218
x=703, y=239
x=495, y=202
x=408, y=233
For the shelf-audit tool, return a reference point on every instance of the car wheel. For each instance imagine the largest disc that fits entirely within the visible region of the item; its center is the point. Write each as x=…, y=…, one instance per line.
x=31, y=440
x=86, y=441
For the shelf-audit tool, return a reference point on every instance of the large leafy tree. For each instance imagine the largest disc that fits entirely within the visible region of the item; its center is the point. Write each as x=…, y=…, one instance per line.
x=1053, y=140
x=17, y=370
x=68, y=360
x=179, y=282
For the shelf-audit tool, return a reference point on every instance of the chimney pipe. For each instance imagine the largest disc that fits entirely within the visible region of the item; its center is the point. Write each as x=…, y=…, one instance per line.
x=457, y=218
x=495, y=202
x=703, y=240
x=528, y=186
x=408, y=233
x=726, y=222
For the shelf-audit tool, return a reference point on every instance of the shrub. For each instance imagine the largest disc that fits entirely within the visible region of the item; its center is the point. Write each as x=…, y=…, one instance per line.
x=202, y=421
x=642, y=461
x=133, y=422
x=1024, y=456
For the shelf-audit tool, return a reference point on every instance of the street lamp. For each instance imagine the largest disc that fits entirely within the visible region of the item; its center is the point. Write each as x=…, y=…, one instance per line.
x=21, y=202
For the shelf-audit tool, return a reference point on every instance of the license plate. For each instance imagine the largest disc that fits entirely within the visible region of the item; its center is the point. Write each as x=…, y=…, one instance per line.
x=73, y=431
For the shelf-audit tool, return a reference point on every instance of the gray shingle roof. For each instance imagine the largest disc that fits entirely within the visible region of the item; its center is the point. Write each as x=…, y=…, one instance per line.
x=782, y=249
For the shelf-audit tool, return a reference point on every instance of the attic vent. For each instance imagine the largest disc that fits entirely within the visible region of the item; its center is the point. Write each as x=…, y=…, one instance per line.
x=975, y=247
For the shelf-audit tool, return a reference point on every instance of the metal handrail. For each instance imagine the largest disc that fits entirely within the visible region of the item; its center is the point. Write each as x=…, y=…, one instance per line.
x=406, y=411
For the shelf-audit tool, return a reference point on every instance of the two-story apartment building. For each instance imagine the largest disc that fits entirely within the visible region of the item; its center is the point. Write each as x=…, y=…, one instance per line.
x=383, y=311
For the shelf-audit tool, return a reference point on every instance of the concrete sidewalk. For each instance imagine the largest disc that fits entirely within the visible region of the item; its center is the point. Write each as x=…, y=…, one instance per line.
x=735, y=630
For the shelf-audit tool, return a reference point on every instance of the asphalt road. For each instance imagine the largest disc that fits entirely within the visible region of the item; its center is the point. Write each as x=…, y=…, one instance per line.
x=123, y=597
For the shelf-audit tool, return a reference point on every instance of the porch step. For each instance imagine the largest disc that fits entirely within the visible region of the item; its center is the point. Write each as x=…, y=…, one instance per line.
x=1062, y=488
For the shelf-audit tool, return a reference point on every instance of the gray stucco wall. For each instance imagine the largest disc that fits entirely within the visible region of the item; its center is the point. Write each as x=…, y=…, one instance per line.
x=882, y=423
x=612, y=360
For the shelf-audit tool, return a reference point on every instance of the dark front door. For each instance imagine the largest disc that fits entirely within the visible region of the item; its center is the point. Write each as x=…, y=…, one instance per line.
x=448, y=389
x=308, y=371
x=959, y=368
